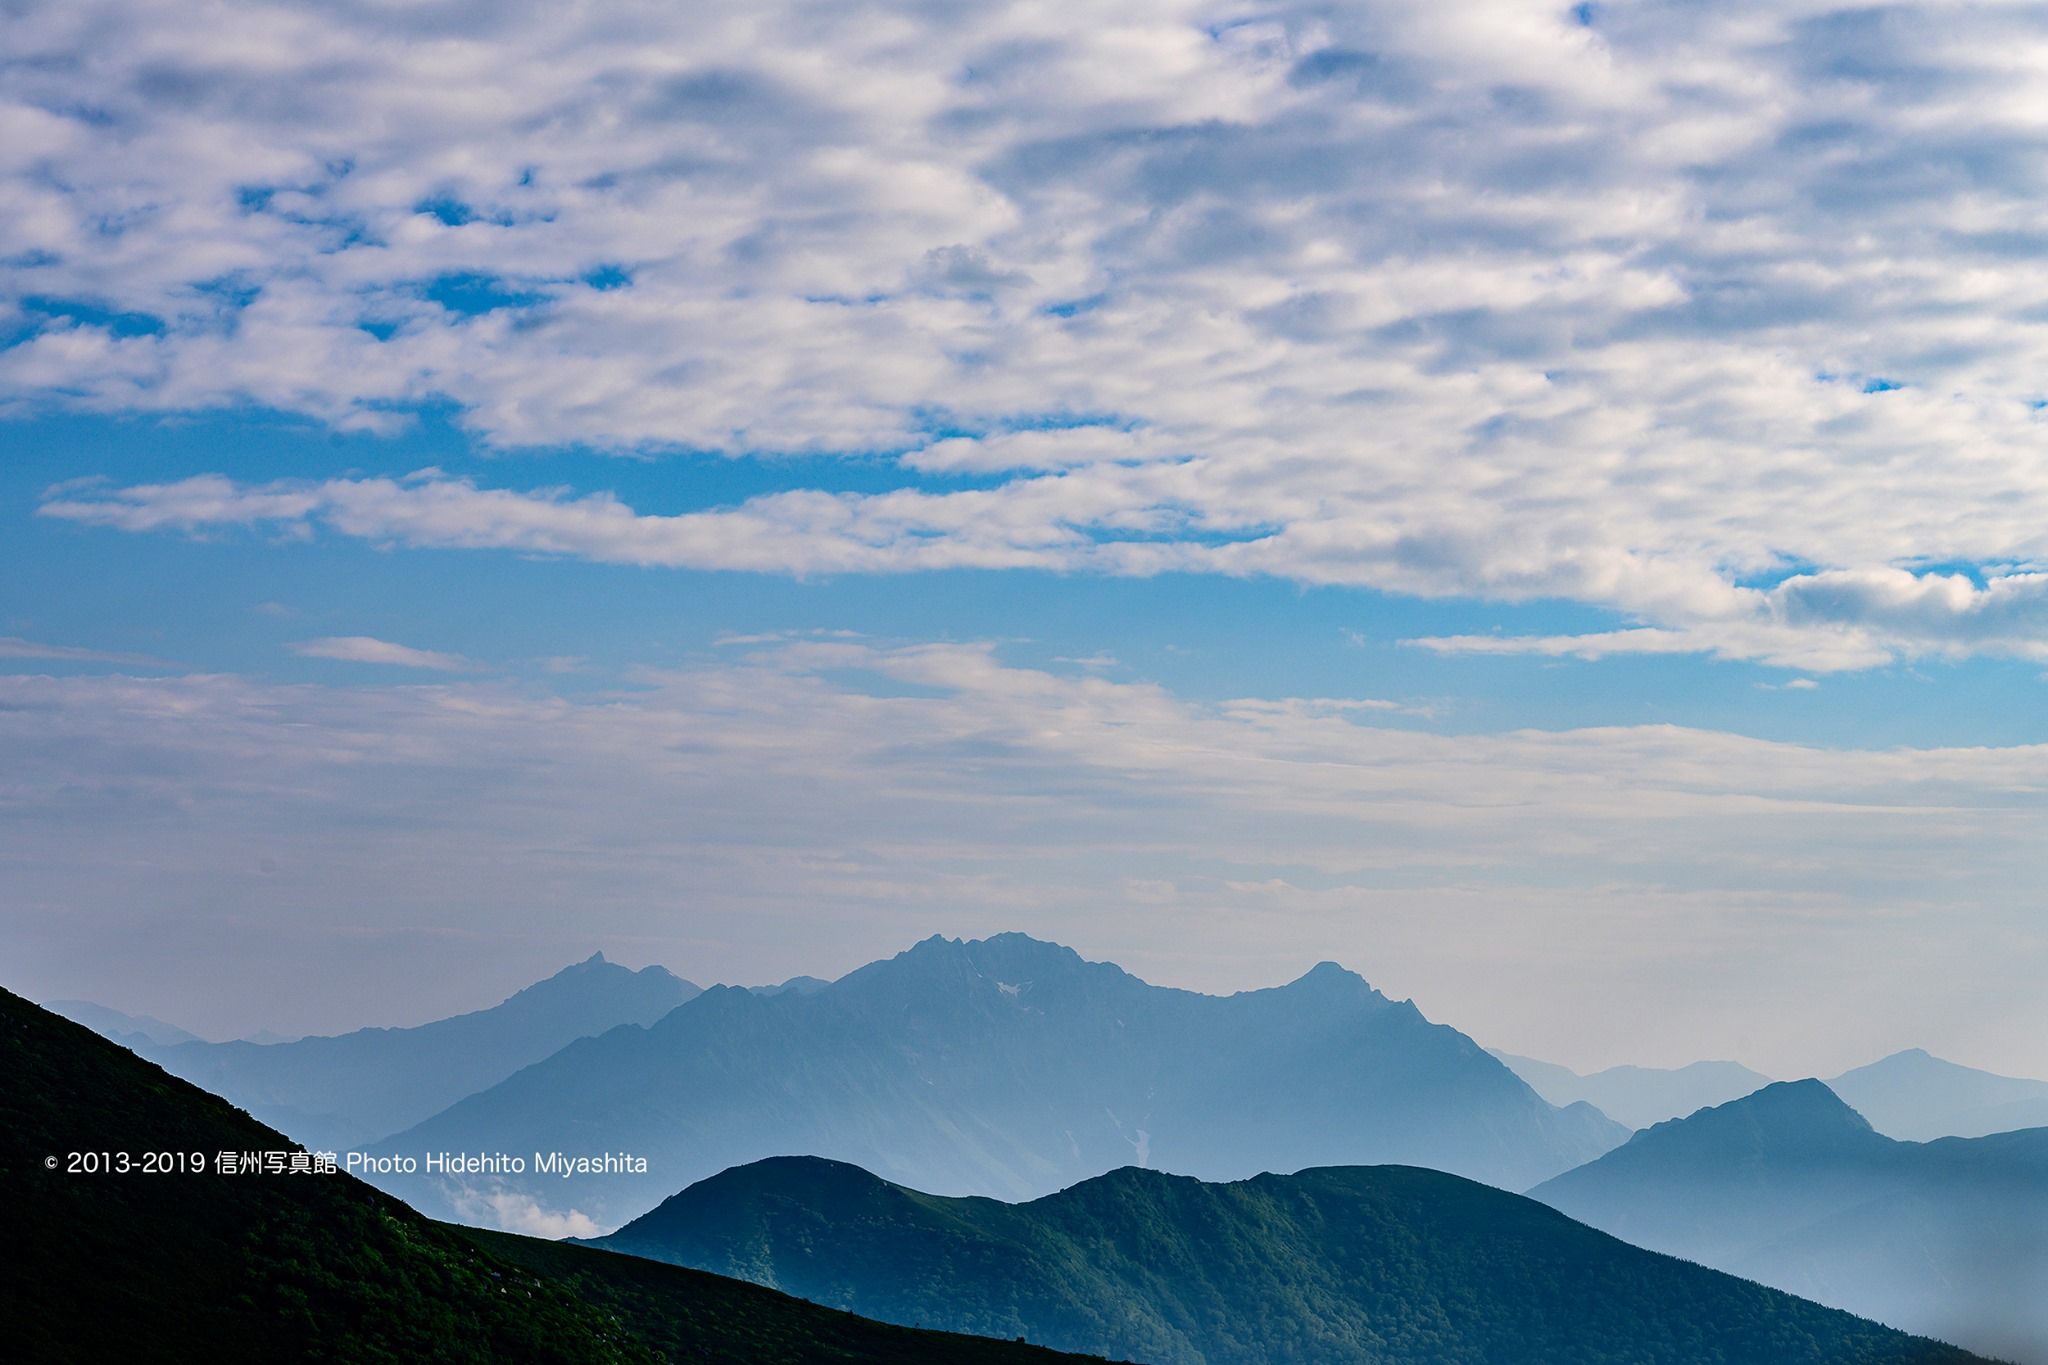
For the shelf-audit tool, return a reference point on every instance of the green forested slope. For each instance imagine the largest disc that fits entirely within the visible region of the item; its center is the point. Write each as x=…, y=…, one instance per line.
x=1383, y=1265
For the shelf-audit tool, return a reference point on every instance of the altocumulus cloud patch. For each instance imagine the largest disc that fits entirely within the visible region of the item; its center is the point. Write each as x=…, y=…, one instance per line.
x=1629, y=305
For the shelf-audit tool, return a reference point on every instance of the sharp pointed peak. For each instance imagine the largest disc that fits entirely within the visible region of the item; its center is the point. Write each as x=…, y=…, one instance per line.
x=595, y=962
x=574, y=968
x=1328, y=977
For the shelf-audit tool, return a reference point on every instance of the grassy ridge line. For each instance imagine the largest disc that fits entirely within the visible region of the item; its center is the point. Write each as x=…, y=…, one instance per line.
x=1362, y=1265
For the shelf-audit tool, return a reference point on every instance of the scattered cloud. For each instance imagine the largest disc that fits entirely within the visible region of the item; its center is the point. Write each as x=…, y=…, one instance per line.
x=511, y=1211
x=14, y=647
x=363, y=649
x=1828, y=622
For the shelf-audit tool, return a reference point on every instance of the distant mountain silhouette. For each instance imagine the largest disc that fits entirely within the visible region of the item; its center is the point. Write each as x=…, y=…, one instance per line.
x=1639, y=1095
x=202, y=1267
x=1339, y=1266
x=802, y=985
x=129, y=1030
x=1914, y=1096
x=347, y=1090
x=270, y=1037
x=1790, y=1186
x=1012, y=1067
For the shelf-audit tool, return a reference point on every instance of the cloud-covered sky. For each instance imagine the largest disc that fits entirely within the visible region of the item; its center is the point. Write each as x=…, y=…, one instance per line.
x=1625, y=417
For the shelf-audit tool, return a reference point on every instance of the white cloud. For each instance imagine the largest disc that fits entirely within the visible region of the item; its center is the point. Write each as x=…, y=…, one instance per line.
x=1830, y=621
x=510, y=1211
x=14, y=647
x=363, y=649
x=766, y=814
x=1484, y=302
x=1827, y=621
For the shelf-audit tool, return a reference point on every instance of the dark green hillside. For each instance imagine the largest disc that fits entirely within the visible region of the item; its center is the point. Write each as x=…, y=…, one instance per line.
x=214, y=1268
x=1337, y=1266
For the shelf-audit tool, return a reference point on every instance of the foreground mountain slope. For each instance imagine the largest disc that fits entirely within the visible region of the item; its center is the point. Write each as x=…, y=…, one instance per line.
x=1011, y=1067
x=1792, y=1187
x=352, y=1088
x=184, y=1266
x=1639, y=1095
x=1918, y=1097
x=1341, y=1266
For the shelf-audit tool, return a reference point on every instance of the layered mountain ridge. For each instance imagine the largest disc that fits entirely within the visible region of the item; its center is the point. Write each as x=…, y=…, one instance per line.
x=1010, y=1067
x=1792, y=1187
x=349, y=1089
x=1919, y=1097
x=1639, y=1095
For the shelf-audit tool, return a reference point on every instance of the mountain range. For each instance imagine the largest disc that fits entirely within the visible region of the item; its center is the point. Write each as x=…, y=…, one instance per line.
x=1009, y=1067
x=196, y=1266
x=347, y=1090
x=1339, y=1266
x=129, y=1030
x=1917, y=1097
x=1909, y=1094
x=1792, y=1187
x=1638, y=1095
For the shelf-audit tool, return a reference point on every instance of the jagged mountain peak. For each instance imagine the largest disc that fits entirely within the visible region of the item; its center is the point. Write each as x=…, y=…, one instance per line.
x=598, y=971
x=1327, y=985
x=1007, y=960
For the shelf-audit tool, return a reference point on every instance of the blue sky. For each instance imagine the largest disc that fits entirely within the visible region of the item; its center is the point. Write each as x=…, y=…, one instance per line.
x=1541, y=505
x=237, y=601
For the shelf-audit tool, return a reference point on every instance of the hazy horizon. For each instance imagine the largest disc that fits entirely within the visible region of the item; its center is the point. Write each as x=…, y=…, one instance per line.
x=465, y=992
